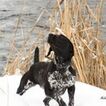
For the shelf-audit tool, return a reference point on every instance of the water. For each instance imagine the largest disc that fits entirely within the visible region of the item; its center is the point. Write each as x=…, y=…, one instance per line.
x=28, y=11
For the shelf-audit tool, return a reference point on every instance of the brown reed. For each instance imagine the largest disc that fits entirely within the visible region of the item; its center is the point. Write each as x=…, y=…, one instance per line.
x=81, y=24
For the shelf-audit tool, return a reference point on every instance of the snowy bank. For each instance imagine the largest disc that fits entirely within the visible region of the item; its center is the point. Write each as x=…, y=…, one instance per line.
x=85, y=95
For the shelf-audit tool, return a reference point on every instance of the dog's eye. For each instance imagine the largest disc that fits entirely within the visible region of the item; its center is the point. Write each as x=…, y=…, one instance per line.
x=29, y=82
x=28, y=85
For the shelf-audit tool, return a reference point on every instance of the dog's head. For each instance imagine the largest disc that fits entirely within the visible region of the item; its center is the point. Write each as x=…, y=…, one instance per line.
x=62, y=47
x=25, y=84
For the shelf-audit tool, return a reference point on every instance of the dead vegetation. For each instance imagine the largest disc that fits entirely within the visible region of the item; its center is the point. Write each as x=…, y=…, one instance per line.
x=82, y=25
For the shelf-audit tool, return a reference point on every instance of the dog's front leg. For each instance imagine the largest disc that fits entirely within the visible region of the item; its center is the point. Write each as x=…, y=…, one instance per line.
x=46, y=101
x=60, y=101
x=52, y=95
x=71, y=91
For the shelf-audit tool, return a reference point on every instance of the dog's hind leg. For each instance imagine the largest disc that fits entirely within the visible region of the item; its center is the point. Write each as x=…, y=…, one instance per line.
x=46, y=101
x=71, y=92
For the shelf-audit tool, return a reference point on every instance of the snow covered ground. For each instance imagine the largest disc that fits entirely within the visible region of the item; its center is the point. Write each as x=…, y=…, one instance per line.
x=85, y=95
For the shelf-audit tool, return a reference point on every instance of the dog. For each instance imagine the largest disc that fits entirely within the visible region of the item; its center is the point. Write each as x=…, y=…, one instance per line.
x=55, y=76
x=63, y=53
x=62, y=47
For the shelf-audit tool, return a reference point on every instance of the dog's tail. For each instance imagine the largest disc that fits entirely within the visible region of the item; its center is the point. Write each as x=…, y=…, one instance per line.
x=36, y=55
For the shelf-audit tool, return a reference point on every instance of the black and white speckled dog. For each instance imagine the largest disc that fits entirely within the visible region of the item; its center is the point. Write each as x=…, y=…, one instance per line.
x=55, y=76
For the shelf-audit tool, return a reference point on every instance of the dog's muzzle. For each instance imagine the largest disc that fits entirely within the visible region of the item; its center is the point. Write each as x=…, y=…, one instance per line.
x=22, y=90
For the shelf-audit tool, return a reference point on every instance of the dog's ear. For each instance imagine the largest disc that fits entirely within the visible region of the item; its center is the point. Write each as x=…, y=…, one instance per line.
x=50, y=49
x=36, y=55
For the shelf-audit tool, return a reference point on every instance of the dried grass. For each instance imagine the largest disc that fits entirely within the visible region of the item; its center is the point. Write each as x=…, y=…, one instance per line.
x=81, y=24
x=20, y=59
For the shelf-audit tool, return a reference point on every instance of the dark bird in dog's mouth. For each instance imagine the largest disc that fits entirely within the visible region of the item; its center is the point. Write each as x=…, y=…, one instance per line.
x=55, y=76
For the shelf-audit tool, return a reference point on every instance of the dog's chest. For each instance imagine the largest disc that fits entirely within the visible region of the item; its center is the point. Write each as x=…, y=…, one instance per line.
x=61, y=81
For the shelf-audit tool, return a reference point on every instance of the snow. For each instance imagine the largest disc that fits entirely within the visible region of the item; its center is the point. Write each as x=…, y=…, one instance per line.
x=85, y=95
